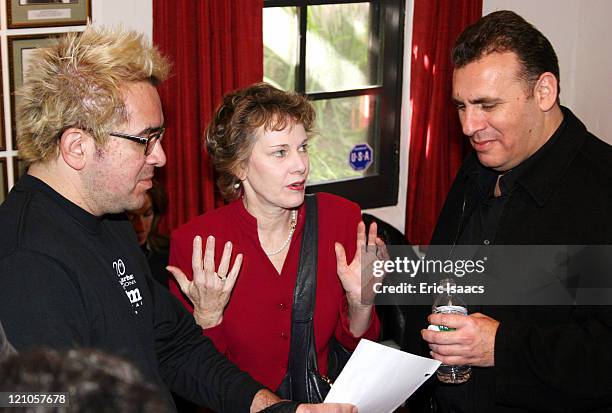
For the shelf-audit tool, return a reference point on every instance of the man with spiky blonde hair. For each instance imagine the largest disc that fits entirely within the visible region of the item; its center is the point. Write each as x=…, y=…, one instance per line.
x=71, y=271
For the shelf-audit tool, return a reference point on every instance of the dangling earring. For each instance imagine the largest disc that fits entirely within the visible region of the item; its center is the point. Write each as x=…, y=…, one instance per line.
x=237, y=185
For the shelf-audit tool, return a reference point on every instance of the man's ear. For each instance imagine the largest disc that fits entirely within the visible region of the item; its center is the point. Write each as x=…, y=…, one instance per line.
x=73, y=147
x=546, y=91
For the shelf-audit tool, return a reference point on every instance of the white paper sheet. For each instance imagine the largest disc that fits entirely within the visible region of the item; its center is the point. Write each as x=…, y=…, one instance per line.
x=378, y=379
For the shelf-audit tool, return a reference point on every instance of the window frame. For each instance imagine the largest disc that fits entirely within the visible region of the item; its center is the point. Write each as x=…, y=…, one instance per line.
x=379, y=189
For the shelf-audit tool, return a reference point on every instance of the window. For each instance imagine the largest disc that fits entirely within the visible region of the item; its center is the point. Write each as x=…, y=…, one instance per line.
x=346, y=56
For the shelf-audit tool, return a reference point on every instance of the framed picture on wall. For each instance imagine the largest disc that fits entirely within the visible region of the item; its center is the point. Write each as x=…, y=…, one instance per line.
x=3, y=180
x=2, y=140
x=36, y=13
x=21, y=49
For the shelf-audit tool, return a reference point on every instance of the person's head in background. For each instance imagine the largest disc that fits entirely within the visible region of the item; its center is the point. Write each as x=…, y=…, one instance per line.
x=506, y=88
x=145, y=219
x=90, y=119
x=257, y=140
x=95, y=381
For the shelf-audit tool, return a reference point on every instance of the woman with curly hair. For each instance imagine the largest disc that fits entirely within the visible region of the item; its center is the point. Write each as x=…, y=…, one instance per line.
x=258, y=142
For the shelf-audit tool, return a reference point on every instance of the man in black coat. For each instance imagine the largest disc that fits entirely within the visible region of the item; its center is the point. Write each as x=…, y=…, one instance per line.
x=536, y=177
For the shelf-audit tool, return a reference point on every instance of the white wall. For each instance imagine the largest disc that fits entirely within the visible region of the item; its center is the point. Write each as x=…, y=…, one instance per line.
x=578, y=30
x=132, y=14
x=593, y=97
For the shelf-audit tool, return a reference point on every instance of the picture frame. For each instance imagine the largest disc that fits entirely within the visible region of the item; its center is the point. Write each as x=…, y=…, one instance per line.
x=20, y=49
x=2, y=139
x=45, y=13
x=3, y=180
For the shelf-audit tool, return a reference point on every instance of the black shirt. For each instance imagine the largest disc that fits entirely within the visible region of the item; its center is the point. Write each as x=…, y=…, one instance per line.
x=70, y=279
x=481, y=226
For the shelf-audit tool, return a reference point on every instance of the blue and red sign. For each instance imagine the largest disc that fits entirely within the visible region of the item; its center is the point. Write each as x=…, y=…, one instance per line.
x=361, y=157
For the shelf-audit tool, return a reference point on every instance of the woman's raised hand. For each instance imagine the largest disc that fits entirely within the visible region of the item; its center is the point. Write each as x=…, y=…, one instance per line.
x=359, y=292
x=210, y=290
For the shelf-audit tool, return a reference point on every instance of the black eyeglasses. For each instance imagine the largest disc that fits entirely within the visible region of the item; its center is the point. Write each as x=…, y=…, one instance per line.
x=148, y=141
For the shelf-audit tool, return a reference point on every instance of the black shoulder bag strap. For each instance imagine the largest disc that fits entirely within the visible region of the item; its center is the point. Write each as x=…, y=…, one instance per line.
x=302, y=382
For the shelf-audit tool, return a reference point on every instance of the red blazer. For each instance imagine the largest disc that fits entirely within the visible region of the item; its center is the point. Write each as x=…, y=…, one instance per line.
x=256, y=327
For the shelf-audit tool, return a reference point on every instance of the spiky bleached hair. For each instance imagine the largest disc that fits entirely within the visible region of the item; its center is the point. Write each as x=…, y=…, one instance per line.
x=79, y=82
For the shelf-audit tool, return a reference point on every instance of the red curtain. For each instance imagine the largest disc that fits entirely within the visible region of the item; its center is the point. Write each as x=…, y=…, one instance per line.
x=216, y=46
x=437, y=145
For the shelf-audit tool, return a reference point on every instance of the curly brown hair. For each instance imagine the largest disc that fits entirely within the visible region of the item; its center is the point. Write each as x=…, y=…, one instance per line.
x=79, y=82
x=232, y=133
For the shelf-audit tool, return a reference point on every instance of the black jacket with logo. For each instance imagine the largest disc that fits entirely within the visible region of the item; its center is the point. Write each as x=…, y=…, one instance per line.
x=70, y=279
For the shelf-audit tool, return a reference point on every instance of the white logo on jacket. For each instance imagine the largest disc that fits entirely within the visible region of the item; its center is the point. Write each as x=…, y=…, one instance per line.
x=126, y=282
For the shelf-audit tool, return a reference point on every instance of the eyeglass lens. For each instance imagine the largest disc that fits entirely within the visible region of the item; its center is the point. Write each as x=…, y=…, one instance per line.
x=153, y=139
